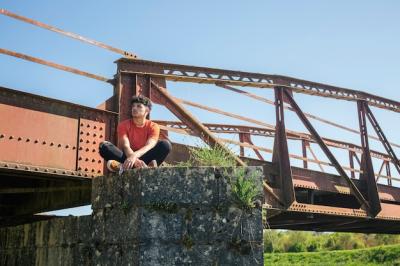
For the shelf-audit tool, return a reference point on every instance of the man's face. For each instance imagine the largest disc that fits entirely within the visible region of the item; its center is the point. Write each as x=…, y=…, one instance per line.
x=139, y=110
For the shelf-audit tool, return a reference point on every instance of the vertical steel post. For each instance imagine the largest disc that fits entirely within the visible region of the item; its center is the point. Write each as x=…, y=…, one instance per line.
x=351, y=159
x=367, y=169
x=280, y=154
x=242, y=140
x=304, y=144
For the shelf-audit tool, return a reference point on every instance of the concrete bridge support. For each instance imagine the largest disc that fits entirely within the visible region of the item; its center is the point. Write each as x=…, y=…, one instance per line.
x=164, y=216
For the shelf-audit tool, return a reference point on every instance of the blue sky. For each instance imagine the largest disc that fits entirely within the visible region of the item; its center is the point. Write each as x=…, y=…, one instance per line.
x=353, y=44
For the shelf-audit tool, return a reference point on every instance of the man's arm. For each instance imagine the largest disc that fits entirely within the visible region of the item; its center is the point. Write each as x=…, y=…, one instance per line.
x=151, y=142
x=125, y=145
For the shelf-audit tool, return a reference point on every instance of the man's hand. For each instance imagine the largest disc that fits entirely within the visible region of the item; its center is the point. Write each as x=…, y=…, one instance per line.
x=140, y=164
x=130, y=162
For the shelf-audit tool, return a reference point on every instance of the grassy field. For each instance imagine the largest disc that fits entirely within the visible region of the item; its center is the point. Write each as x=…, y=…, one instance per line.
x=383, y=255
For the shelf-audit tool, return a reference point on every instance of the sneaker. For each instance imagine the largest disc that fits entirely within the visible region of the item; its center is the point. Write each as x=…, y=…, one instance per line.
x=114, y=166
x=152, y=164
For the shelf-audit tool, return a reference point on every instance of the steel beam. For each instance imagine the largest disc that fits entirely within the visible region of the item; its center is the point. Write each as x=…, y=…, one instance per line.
x=382, y=137
x=270, y=132
x=367, y=168
x=55, y=65
x=195, y=125
x=68, y=34
x=175, y=72
x=304, y=145
x=326, y=150
x=280, y=155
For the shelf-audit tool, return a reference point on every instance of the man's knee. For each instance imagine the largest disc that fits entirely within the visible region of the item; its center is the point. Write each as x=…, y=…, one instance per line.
x=104, y=144
x=165, y=145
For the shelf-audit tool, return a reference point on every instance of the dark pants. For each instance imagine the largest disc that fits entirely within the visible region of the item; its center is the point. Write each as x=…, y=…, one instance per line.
x=109, y=151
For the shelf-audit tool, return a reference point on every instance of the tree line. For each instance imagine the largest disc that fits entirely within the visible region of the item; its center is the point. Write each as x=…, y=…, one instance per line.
x=298, y=241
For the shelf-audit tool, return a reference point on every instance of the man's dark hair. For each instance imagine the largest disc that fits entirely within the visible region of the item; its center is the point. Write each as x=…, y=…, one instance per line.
x=141, y=99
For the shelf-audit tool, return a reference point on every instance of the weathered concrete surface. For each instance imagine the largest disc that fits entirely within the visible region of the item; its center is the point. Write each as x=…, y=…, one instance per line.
x=164, y=216
x=63, y=241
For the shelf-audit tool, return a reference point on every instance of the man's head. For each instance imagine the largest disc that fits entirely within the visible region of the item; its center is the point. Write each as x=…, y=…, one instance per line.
x=141, y=106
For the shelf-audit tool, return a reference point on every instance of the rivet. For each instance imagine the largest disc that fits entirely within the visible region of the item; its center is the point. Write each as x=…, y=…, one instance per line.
x=87, y=134
x=73, y=148
x=79, y=168
x=94, y=142
x=55, y=171
x=81, y=124
x=80, y=158
x=19, y=138
x=51, y=144
x=87, y=149
x=36, y=141
x=94, y=135
x=26, y=168
x=86, y=175
x=66, y=146
x=64, y=172
x=5, y=165
x=98, y=171
x=88, y=125
x=79, y=174
x=44, y=142
x=87, y=159
x=100, y=128
x=95, y=127
x=27, y=140
x=81, y=140
x=93, y=160
x=36, y=169
x=101, y=136
x=87, y=141
x=94, y=150
x=92, y=170
x=99, y=161
x=2, y=136
x=59, y=145
x=80, y=148
x=46, y=170
x=86, y=169
x=11, y=137
x=81, y=132
x=16, y=167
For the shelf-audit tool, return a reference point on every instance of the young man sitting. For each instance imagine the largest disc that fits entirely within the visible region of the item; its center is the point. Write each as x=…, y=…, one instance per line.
x=138, y=139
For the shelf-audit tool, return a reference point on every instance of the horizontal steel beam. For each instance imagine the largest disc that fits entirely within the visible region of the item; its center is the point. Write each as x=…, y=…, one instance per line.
x=268, y=132
x=187, y=73
x=308, y=115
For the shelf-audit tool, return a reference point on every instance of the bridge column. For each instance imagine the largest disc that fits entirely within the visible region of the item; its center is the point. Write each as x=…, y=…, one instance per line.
x=280, y=156
x=132, y=80
x=351, y=160
x=367, y=169
x=388, y=173
x=304, y=145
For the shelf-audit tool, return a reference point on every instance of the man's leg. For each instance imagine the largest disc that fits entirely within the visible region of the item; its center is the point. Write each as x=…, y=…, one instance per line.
x=158, y=153
x=109, y=151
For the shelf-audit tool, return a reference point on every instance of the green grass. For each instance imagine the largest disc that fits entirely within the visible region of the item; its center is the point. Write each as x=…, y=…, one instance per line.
x=245, y=190
x=383, y=255
x=204, y=156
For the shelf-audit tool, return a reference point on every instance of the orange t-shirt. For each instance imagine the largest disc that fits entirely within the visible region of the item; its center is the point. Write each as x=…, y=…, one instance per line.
x=138, y=136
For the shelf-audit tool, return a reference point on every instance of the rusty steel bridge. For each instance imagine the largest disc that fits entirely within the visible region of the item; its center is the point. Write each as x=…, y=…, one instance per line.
x=51, y=165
